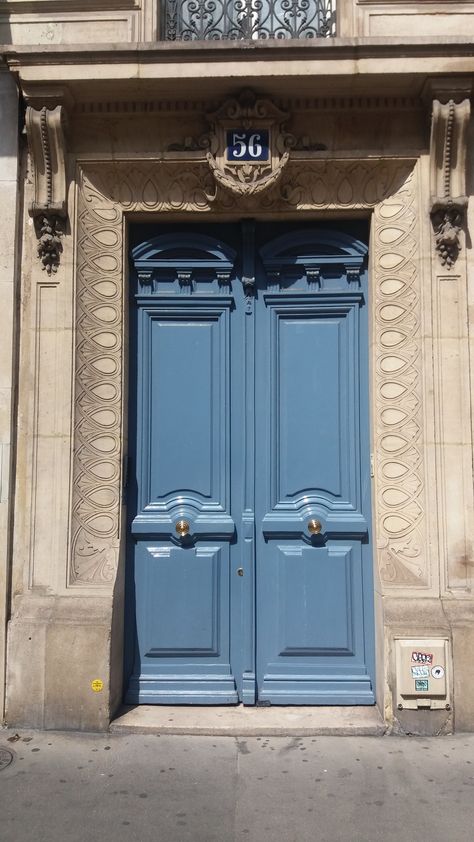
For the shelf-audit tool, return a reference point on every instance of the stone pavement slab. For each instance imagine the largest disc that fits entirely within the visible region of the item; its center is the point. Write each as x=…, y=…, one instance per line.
x=171, y=788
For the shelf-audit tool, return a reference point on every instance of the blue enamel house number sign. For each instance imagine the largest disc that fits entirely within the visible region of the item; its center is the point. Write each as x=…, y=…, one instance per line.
x=249, y=145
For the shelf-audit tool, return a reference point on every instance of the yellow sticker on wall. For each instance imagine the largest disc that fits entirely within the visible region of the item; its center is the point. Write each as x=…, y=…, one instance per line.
x=97, y=685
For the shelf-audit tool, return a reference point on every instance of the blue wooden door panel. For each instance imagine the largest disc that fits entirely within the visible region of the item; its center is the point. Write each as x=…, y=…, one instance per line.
x=251, y=395
x=181, y=598
x=189, y=462
x=312, y=639
x=183, y=633
x=313, y=590
x=314, y=418
x=328, y=621
x=300, y=342
x=183, y=395
x=181, y=583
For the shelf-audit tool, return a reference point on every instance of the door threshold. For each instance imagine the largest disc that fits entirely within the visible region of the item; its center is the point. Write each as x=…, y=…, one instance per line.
x=276, y=721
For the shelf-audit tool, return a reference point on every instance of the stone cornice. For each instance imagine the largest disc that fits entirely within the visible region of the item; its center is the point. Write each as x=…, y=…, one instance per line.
x=365, y=66
x=354, y=48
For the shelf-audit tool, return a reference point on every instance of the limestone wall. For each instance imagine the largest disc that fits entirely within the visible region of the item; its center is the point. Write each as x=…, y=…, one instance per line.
x=66, y=22
x=77, y=21
x=402, y=18
x=9, y=254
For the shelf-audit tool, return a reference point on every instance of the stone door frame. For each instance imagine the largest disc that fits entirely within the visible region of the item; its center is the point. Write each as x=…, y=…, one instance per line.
x=108, y=196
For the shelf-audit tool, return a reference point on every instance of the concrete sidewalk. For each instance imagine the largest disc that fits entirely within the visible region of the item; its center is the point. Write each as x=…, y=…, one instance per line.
x=168, y=788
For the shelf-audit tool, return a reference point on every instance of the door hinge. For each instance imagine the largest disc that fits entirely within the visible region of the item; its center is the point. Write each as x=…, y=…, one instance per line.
x=372, y=465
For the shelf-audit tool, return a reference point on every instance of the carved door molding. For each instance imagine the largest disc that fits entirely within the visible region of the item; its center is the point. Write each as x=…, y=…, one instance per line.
x=106, y=193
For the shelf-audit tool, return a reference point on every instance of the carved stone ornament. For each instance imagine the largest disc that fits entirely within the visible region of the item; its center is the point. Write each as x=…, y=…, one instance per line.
x=447, y=219
x=448, y=176
x=49, y=230
x=387, y=187
x=45, y=131
x=248, y=112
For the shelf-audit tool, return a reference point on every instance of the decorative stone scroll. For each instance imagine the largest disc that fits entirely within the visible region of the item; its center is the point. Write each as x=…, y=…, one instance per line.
x=105, y=193
x=45, y=130
x=448, y=176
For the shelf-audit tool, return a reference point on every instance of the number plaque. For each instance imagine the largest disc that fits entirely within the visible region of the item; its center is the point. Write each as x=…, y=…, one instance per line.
x=247, y=146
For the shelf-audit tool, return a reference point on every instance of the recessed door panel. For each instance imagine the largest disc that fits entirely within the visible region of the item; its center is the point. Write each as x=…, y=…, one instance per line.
x=308, y=445
x=184, y=461
x=184, y=401
x=313, y=365
x=180, y=589
x=316, y=610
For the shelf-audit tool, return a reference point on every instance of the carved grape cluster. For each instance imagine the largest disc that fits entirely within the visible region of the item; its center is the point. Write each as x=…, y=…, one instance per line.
x=447, y=223
x=49, y=231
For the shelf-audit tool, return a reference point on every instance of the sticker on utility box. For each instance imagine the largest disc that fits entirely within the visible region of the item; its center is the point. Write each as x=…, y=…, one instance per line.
x=420, y=672
x=437, y=671
x=422, y=657
x=421, y=686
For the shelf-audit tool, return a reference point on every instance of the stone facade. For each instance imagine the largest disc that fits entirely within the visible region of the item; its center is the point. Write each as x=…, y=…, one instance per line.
x=113, y=132
x=8, y=274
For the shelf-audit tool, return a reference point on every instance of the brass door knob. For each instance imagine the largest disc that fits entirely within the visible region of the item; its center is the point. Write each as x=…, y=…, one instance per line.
x=314, y=526
x=182, y=528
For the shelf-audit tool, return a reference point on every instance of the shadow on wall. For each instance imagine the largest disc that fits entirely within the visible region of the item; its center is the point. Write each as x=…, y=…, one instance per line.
x=470, y=174
x=5, y=31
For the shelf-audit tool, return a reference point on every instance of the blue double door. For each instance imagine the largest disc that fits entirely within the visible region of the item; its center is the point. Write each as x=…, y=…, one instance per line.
x=249, y=567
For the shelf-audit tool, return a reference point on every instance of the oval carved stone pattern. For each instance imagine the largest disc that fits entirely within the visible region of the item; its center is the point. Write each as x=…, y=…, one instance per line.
x=352, y=184
x=106, y=237
x=157, y=188
x=97, y=431
x=399, y=420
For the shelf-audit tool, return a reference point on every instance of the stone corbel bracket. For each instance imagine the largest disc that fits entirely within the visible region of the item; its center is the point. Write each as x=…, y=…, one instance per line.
x=449, y=126
x=45, y=128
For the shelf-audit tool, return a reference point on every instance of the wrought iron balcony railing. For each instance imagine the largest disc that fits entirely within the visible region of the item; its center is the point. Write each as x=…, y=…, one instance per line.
x=214, y=20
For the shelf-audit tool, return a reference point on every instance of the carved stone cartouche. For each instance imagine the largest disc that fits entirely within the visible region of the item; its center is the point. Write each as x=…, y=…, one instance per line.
x=245, y=112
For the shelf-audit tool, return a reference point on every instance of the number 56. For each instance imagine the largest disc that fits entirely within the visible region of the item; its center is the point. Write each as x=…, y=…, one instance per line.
x=242, y=147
